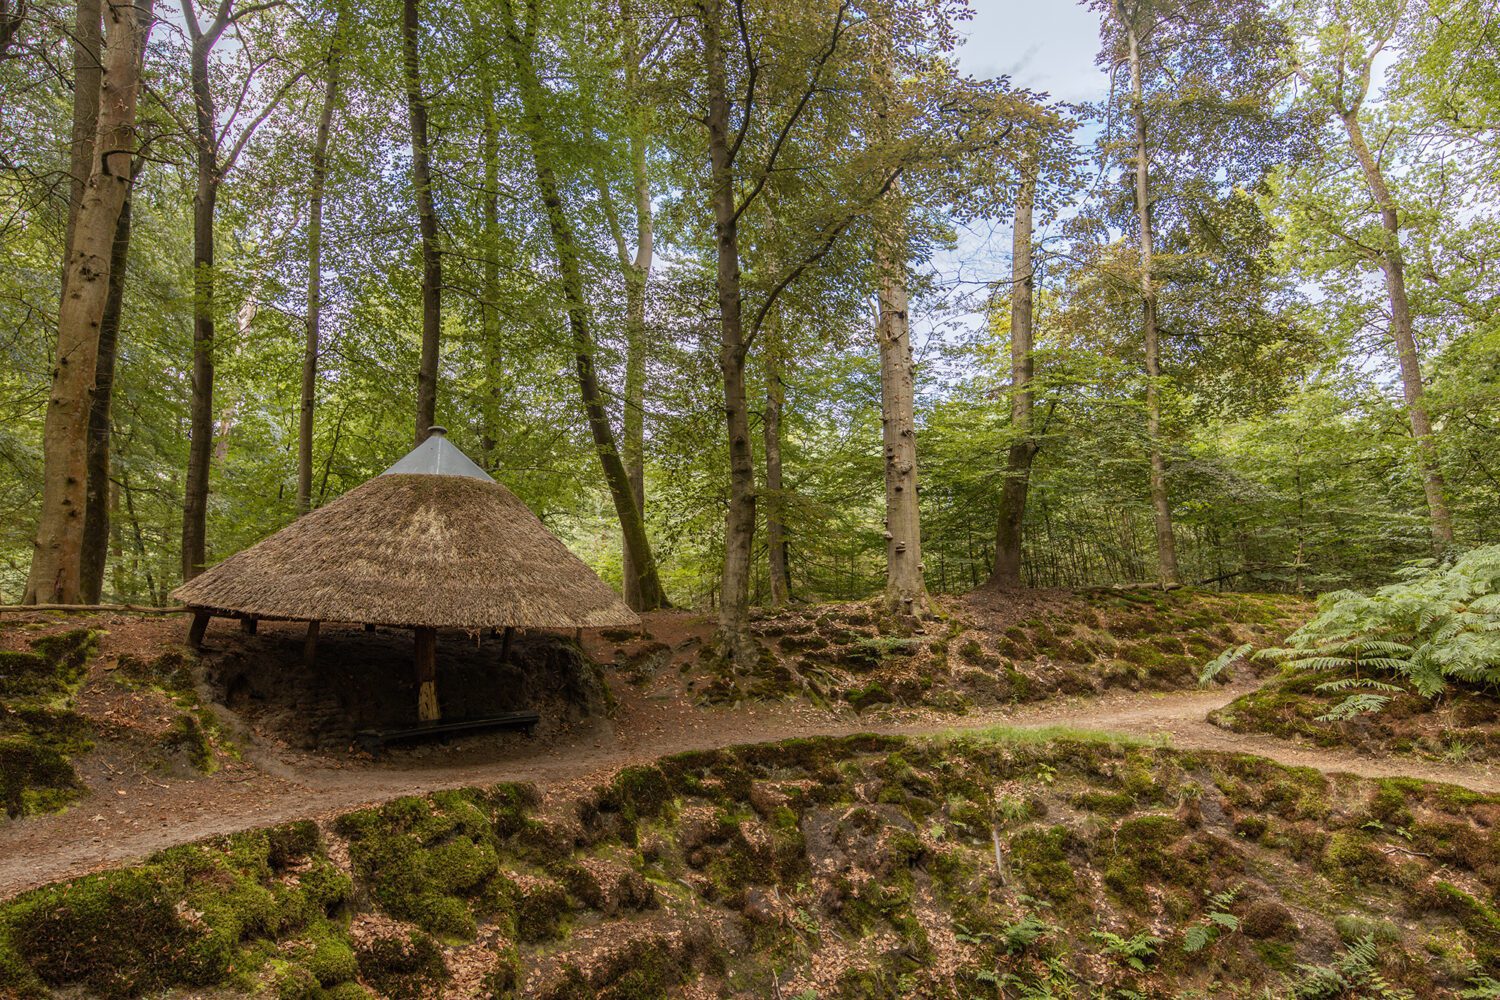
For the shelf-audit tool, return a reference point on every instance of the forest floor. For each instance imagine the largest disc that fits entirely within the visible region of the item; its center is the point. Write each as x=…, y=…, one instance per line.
x=267, y=766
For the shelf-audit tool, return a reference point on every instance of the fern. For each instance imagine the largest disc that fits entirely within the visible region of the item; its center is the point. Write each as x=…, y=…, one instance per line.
x=1134, y=952
x=1437, y=625
x=1354, y=973
x=1222, y=662
x=1481, y=987
x=1215, y=924
x=1021, y=935
x=1355, y=704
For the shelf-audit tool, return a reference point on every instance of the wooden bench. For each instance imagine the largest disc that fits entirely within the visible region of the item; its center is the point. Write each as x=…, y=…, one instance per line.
x=374, y=740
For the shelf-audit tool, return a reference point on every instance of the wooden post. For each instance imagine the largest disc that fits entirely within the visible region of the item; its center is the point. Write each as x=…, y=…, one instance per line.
x=369, y=626
x=427, y=700
x=505, y=644
x=310, y=645
x=196, y=630
x=247, y=625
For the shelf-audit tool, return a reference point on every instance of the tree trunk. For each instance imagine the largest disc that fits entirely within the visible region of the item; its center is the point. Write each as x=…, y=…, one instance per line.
x=637, y=274
x=432, y=265
x=1013, y=492
x=1166, y=547
x=905, y=588
x=489, y=277
x=56, y=567
x=98, y=493
x=739, y=518
x=87, y=73
x=1393, y=266
x=201, y=415
x=776, y=543
x=565, y=246
x=312, y=346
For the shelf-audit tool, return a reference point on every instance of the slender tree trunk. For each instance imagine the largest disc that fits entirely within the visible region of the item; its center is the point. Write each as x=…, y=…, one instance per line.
x=56, y=567
x=1393, y=266
x=565, y=246
x=1013, y=492
x=739, y=518
x=905, y=588
x=777, y=569
x=87, y=73
x=432, y=265
x=637, y=275
x=99, y=494
x=201, y=410
x=776, y=543
x=313, y=343
x=489, y=287
x=1166, y=547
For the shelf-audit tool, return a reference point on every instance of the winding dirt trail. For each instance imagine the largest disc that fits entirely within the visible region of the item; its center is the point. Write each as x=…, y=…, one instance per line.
x=128, y=814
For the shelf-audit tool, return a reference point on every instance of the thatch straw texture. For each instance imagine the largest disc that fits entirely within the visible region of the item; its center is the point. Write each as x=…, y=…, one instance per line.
x=414, y=550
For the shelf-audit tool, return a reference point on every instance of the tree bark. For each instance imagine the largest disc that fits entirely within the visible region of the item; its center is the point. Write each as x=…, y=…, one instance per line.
x=1166, y=547
x=1009, y=532
x=432, y=265
x=905, y=588
x=56, y=568
x=97, y=506
x=313, y=343
x=637, y=271
x=489, y=277
x=739, y=517
x=566, y=248
x=87, y=74
x=201, y=410
x=776, y=541
x=1393, y=266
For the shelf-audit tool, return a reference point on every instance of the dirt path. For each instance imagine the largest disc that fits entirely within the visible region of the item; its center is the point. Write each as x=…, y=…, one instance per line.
x=131, y=814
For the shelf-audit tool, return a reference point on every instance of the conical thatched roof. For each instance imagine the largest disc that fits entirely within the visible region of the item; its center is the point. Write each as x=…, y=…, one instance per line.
x=432, y=542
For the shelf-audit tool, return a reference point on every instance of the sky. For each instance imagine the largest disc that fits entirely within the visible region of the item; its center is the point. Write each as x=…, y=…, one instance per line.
x=1042, y=44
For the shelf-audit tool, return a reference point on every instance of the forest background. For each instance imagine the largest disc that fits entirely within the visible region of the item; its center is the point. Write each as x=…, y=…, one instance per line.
x=1219, y=310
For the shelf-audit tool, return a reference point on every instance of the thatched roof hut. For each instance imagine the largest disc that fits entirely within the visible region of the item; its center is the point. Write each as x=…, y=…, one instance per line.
x=432, y=542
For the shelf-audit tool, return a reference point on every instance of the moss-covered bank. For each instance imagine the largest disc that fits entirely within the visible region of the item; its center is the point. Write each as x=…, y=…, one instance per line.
x=836, y=868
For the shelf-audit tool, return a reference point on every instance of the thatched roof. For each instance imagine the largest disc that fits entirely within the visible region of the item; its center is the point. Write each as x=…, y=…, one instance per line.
x=417, y=547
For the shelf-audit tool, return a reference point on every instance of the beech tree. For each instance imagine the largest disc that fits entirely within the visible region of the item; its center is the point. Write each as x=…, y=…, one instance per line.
x=217, y=147
x=56, y=565
x=1334, y=64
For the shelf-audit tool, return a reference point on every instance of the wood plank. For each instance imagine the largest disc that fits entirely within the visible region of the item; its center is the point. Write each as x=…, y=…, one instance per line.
x=428, y=709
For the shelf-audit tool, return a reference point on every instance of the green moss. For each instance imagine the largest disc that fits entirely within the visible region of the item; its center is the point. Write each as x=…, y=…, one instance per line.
x=868, y=695
x=403, y=968
x=187, y=917
x=541, y=909
x=1040, y=856
x=34, y=778
x=53, y=669
x=186, y=736
x=433, y=861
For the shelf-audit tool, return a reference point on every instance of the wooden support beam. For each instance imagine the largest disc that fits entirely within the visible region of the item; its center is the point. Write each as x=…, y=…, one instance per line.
x=369, y=627
x=427, y=699
x=310, y=644
x=505, y=644
x=88, y=609
x=248, y=625
x=196, y=630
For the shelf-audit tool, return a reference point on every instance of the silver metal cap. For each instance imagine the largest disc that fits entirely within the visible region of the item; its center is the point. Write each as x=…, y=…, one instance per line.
x=437, y=456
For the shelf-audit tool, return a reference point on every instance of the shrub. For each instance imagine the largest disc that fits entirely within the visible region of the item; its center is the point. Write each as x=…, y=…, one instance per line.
x=1438, y=625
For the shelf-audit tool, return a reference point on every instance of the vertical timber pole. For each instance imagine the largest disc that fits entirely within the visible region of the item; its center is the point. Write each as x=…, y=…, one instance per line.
x=427, y=700
x=505, y=644
x=196, y=630
x=310, y=644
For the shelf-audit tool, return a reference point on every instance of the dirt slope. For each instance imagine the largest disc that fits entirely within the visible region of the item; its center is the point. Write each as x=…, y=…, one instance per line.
x=143, y=814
